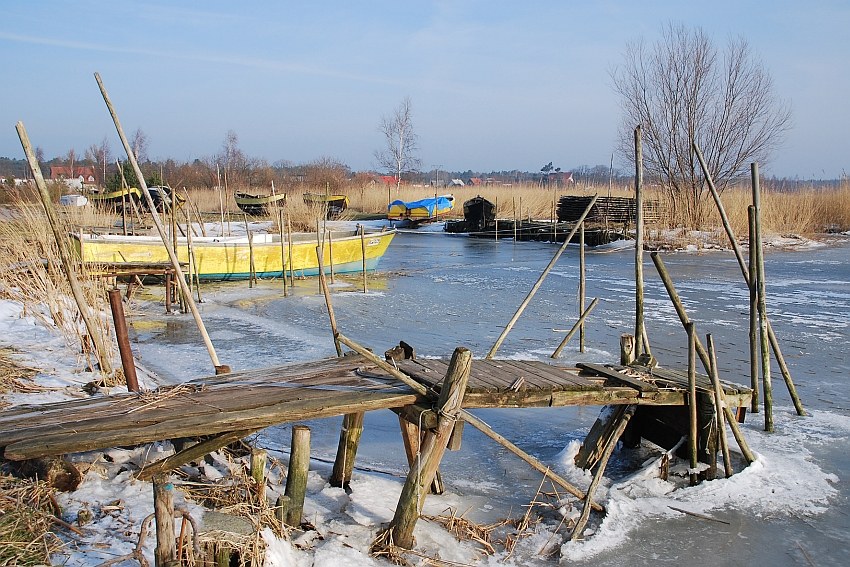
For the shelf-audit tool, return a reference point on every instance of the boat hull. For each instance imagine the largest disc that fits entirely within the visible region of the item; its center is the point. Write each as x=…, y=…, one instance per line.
x=230, y=258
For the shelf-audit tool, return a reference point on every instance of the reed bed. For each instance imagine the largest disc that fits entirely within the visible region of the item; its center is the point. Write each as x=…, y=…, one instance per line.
x=27, y=512
x=32, y=274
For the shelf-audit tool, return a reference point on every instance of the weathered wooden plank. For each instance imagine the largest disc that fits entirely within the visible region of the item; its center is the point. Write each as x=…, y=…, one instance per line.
x=335, y=403
x=640, y=385
x=516, y=369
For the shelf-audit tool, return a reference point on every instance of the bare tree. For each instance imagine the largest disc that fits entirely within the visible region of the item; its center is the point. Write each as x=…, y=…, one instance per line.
x=101, y=156
x=681, y=90
x=71, y=157
x=233, y=161
x=139, y=144
x=398, y=156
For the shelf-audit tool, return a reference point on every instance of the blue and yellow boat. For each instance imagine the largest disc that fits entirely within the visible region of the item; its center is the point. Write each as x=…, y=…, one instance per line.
x=422, y=210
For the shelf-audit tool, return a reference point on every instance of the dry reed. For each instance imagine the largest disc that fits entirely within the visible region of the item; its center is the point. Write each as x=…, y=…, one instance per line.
x=33, y=275
x=27, y=517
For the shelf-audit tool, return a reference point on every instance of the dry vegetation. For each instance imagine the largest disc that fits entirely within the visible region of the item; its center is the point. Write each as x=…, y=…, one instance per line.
x=27, y=514
x=32, y=274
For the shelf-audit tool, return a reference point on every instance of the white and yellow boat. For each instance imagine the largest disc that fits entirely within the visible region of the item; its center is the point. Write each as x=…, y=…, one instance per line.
x=229, y=258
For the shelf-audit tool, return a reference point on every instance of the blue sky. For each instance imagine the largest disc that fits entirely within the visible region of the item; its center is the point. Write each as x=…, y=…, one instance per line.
x=494, y=85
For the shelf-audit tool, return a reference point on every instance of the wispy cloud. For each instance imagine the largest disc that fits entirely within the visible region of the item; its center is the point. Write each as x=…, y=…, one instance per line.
x=252, y=62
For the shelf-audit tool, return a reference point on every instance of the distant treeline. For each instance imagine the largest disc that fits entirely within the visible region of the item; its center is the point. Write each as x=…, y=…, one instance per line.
x=330, y=173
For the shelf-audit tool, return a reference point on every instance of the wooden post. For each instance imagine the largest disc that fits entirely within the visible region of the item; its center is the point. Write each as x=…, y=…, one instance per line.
x=282, y=251
x=496, y=219
x=281, y=509
x=363, y=253
x=123, y=339
x=754, y=314
x=89, y=318
x=296, y=478
x=582, y=287
x=693, y=433
x=578, y=325
x=349, y=440
x=251, y=273
x=323, y=284
x=627, y=349
x=539, y=282
x=411, y=436
x=331, y=254
x=258, y=472
x=762, y=305
x=639, y=319
x=680, y=309
x=422, y=472
x=718, y=407
x=603, y=461
x=289, y=244
x=748, y=277
x=219, y=368
x=193, y=265
x=163, y=508
x=169, y=277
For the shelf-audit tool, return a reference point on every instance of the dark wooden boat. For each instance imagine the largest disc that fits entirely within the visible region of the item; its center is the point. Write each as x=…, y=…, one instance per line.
x=256, y=205
x=479, y=213
x=335, y=204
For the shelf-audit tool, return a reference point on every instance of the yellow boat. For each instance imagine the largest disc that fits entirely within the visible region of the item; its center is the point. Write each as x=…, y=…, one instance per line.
x=228, y=258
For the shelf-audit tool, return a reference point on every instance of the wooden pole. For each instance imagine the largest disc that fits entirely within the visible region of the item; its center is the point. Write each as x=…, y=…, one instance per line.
x=349, y=440
x=762, y=309
x=496, y=219
x=639, y=302
x=718, y=408
x=363, y=254
x=258, y=472
x=539, y=282
x=289, y=245
x=65, y=256
x=693, y=433
x=193, y=265
x=680, y=309
x=582, y=287
x=578, y=324
x=467, y=417
x=296, y=478
x=331, y=254
x=597, y=477
x=181, y=280
x=411, y=436
x=323, y=284
x=123, y=339
x=627, y=349
x=252, y=275
x=163, y=508
x=282, y=252
x=425, y=466
x=748, y=277
x=754, y=313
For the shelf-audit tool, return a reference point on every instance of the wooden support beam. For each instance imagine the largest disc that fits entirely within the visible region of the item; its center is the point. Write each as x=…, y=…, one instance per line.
x=411, y=435
x=425, y=466
x=163, y=507
x=296, y=478
x=620, y=426
x=349, y=440
x=192, y=453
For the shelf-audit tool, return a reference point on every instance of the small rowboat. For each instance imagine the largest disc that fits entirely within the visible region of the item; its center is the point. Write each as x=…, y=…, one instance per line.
x=256, y=205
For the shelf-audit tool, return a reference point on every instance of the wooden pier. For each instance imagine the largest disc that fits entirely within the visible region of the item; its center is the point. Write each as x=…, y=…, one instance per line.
x=255, y=399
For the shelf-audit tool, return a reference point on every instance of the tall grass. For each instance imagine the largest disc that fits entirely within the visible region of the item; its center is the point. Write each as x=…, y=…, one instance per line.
x=32, y=274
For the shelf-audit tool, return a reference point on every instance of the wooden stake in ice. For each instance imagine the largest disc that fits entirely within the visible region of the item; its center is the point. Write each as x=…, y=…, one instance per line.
x=178, y=272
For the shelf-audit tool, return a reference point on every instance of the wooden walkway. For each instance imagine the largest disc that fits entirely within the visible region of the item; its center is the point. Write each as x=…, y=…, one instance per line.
x=256, y=399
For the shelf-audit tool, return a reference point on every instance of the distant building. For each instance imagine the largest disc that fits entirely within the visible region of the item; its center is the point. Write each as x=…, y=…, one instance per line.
x=74, y=177
x=457, y=183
